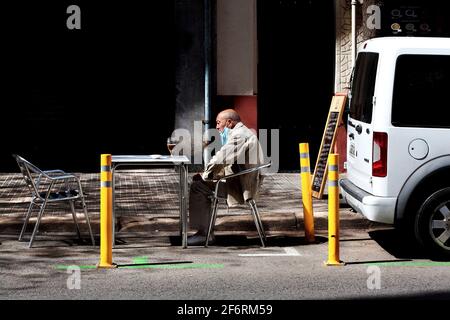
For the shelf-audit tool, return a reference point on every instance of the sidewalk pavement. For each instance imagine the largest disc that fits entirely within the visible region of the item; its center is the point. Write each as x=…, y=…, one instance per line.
x=147, y=202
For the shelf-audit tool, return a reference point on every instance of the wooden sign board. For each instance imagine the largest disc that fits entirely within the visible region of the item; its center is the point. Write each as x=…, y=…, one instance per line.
x=328, y=140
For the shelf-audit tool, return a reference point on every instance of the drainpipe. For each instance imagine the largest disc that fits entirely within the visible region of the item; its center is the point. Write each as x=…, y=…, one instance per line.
x=353, y=32
x=207, y=61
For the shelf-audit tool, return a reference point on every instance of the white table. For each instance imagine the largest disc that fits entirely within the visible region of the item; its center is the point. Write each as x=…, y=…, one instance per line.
x=150, y=160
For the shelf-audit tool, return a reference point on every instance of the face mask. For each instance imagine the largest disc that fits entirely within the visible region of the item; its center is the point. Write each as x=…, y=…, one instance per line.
x=224, y=135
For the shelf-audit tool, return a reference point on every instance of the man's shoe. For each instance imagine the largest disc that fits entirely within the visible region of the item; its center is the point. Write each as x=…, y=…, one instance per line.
x=200, y=240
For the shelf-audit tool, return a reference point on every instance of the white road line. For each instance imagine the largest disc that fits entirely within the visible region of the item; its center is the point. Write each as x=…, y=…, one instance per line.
x=289, y=252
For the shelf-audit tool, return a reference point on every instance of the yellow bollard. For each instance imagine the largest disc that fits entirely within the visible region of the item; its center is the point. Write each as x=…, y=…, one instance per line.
x=333, y=211
x=106, y=213
x=308, y=214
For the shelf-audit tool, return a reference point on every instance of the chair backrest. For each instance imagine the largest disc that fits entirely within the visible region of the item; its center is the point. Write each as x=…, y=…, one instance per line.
x=27, y=168
x=239, y=175
x=258, y=169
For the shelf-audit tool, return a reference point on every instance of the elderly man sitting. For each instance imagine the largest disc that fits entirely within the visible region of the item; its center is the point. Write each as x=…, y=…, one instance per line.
x=240, y=150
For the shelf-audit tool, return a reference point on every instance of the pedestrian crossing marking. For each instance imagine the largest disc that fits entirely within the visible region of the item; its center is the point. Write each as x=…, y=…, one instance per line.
x=288, y=252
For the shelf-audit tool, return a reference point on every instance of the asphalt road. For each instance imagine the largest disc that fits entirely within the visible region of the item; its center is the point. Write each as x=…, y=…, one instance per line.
x=236, y=268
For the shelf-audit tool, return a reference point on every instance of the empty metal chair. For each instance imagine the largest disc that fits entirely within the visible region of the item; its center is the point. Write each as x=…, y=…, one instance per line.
x=53, y=186
x=250, y=202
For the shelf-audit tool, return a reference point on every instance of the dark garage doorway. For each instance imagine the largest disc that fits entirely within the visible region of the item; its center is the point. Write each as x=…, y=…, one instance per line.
x=70, y=95
x=296, y=53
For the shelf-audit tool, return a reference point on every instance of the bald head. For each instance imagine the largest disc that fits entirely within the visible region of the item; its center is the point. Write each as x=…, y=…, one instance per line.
x=229, y=114
x=227, y=118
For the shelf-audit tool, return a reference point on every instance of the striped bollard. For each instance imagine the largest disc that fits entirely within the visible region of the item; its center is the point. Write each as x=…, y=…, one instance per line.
x=333, y=211
x=106, y=213
x=308, y=214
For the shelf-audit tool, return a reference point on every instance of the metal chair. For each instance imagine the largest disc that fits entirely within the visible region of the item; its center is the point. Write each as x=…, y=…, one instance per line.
x=250, y=202
x=52, y=186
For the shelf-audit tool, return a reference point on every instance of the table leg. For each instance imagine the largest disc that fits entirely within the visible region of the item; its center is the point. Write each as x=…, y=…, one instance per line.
x=183, y=217
x=180, y=198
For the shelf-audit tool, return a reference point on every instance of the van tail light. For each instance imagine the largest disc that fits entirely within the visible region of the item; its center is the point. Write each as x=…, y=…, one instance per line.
x=379, y=154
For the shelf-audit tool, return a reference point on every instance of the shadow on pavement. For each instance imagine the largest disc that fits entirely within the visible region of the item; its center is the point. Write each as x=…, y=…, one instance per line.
x=377, y=261
x=398, y=244
x=167, y=263
x=242, y=240
x=401, y=298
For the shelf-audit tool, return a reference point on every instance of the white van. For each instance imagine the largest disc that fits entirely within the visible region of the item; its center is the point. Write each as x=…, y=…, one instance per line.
x=398, y=144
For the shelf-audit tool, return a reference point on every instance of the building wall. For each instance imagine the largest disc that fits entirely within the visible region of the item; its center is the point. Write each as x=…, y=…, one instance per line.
x=236, y=47
x=190, y=69
x=233, y=62
x=237, y=58
x=344, y=38
x=343, y=44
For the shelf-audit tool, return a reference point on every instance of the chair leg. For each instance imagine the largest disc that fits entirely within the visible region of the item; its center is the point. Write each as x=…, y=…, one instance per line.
x=87, y=220
x=212, y=220
x=27, y=218
x=74, y=215
x=258, y=216
x=38, y=221
x=258, y=222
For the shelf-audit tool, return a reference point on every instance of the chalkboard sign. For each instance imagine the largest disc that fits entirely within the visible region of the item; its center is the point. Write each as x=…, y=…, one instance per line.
x=328, y=139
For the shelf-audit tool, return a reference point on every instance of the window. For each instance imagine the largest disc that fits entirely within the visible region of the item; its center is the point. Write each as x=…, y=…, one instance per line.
x=363, y=86
x=421, y=91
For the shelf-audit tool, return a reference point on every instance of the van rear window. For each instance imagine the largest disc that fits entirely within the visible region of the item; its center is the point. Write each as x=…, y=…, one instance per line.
x=421, y=91
x=363, y=86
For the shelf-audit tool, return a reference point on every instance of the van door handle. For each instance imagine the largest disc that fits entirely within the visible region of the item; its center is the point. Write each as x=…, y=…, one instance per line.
x=358, y=129
x=351, y=136
x=351, y=124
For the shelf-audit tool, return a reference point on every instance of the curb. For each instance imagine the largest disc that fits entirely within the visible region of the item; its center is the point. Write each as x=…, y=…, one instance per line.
x=273, y=222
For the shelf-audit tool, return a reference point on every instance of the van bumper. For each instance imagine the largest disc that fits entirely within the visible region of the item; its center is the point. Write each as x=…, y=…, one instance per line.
x=378, y=209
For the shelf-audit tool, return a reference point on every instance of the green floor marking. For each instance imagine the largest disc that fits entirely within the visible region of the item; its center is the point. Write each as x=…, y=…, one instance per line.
x=410, y=264
x=61, y=267
x=140, y=260
x=177, y=266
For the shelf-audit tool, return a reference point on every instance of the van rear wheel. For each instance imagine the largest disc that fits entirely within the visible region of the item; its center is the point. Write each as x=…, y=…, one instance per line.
x=432, y=223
